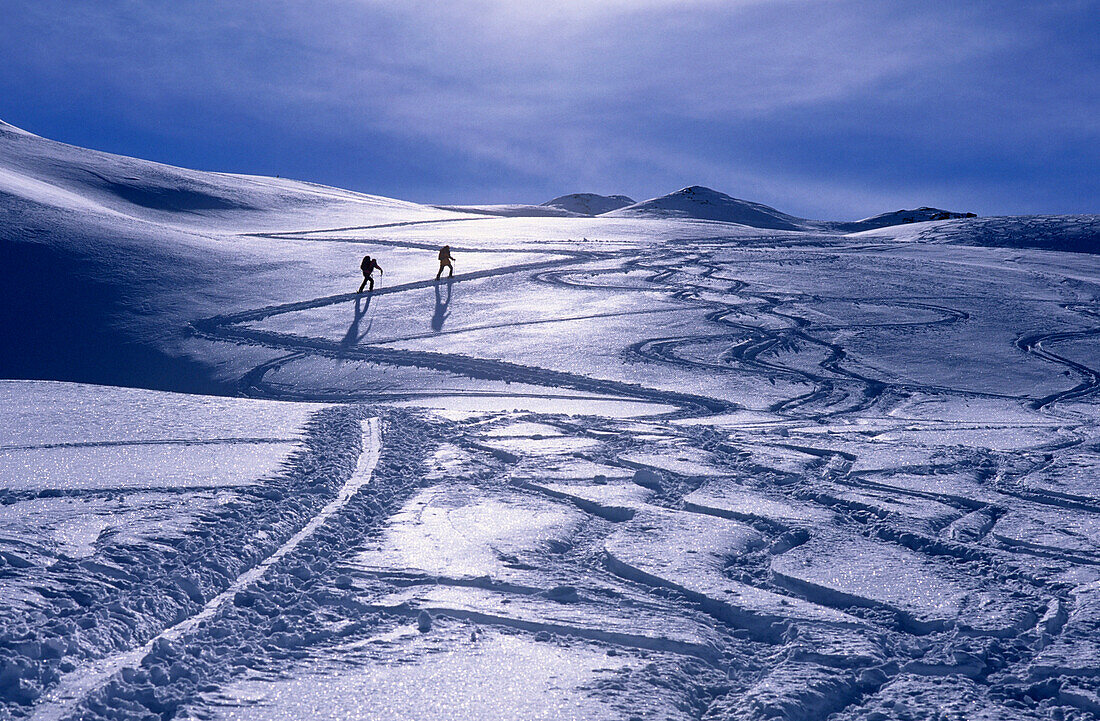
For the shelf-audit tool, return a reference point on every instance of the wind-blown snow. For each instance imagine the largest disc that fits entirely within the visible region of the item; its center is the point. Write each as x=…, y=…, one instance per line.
x=692, y=458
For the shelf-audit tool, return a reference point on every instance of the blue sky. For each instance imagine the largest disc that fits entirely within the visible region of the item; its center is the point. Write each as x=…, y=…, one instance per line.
x=822, y=108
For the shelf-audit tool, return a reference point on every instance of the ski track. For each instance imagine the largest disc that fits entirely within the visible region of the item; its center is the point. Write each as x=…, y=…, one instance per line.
x=73, y=688
x=1034, y=344
x=834, y=384
x=746, y=644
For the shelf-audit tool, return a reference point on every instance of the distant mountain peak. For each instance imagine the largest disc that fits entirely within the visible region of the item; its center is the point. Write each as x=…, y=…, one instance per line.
x=700, y=190
x=589, y=203
x=703, y=203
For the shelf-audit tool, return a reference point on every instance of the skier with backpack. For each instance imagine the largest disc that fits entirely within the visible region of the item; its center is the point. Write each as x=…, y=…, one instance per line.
x=445, y=261
x=368, y=266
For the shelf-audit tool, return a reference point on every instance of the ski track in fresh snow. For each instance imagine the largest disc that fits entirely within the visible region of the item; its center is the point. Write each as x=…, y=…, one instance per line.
x=1034, y=344
x=832, y=382
x=832, y=554
x=229, y=328
x=774, y=600
x=72, y=689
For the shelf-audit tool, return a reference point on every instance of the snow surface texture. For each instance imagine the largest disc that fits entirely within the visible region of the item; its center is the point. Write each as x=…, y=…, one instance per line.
x=690, y=458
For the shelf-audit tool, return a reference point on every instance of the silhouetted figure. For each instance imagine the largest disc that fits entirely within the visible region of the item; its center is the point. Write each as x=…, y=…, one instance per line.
x=445, y=262
x=441, y=307
x=369, y=265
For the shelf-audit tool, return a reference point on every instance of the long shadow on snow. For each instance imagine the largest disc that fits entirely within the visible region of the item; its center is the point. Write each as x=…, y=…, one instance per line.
x=228, y=328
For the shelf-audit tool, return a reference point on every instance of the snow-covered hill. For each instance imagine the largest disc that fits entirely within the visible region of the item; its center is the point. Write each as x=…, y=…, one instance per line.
x=512, y=210
x=44, y=172
x=589, y=203
x=706, y=204
x=901, y=217
x=107, y=256
x=651, y=463
x=565, y=206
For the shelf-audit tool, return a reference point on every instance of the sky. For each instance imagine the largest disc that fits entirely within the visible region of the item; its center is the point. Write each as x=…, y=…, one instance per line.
x=830, y=109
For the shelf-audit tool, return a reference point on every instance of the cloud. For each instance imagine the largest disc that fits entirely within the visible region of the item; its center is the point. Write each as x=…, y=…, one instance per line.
x=523, y=99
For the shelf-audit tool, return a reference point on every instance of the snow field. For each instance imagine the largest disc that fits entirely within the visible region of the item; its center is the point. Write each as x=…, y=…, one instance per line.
x=462, y=533
x=680, y=468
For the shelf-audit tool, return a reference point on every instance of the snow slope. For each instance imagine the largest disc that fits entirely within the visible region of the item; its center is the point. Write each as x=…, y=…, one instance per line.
x=633, y=465
x=38, y=171
x=565, y=206
x=109, y=253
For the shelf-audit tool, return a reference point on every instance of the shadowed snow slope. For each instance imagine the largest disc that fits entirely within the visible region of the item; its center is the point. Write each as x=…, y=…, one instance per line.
x=105, y=253
x=1066, y=233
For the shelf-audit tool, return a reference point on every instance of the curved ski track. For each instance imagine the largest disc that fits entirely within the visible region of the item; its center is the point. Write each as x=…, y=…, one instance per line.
x=836, y=388
x=692, y=280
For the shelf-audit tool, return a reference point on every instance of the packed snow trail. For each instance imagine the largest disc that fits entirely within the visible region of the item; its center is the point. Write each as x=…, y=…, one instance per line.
x=253, y=620
x=229, y=328
x=74, y=686
x=143, y=575
x=210, y=325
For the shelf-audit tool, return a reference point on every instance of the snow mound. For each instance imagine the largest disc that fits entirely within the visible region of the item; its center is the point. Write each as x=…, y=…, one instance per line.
x=706, y=204
x=589, y=203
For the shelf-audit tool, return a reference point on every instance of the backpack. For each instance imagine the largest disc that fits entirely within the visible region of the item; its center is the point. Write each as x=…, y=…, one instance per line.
x=367, y=265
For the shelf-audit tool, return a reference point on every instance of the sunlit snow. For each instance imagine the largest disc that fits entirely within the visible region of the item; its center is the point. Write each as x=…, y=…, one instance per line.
x=693, y=458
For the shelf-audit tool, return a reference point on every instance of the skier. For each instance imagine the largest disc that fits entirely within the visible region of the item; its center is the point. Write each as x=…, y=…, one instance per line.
x=445, y=262
x=369, y=265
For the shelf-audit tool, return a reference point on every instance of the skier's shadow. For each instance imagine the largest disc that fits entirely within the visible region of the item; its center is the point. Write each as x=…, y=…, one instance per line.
x=442, y=307
x=353, y=336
